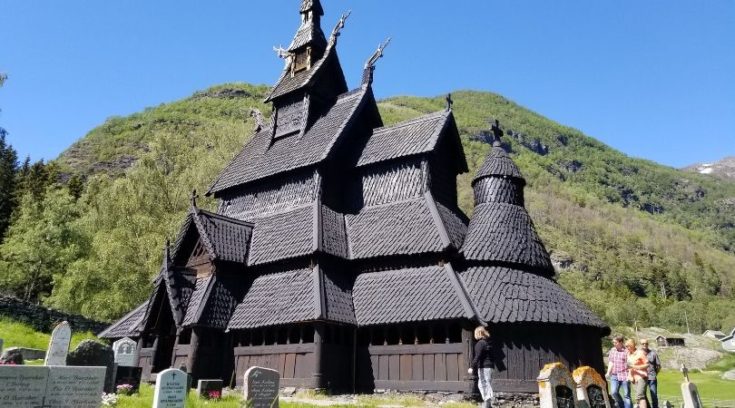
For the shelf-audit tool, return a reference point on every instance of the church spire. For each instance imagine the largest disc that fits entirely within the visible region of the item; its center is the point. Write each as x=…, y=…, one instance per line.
x=309, y=40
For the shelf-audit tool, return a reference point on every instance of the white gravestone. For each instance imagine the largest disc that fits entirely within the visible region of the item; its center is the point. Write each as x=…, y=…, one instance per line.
x=126, y=352
x=261, y=387
x=556, y=387
x=75, y=387
x=170, y=389
x=58, y=347
x=689, y=391
x=22, y=386
x=591, y=387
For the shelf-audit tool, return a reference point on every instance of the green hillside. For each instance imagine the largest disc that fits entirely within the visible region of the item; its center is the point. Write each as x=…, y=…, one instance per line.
x=638, y=241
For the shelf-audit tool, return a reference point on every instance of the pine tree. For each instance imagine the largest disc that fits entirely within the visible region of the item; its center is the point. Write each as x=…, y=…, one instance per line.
x=8, y=173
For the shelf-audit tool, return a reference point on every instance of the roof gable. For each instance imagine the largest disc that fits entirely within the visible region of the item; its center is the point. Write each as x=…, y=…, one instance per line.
x=224, y=238
x=411, y=137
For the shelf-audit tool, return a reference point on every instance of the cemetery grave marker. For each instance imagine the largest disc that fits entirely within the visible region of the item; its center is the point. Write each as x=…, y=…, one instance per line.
x=261, y=387
x=689, y=391
x=126, y=352
x=170, y=389
x=128, y=375
x=556, y=387
x=58, y=346
x=591, y=387
x=209, y=388
x=1, y=346
x=51, y=386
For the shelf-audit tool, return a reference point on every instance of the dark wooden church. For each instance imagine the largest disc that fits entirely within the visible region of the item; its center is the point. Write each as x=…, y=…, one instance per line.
x=339, y=257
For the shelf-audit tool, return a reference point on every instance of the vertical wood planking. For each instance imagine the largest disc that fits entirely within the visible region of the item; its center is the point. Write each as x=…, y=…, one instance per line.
x=440, y=367
x=393, y=367
x=429, y=367
x=383, y=368
x=417, y=367
x=290, y=370
x=452, y=368
x=406, y=368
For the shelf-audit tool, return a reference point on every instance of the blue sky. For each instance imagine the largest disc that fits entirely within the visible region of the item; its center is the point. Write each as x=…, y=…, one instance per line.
x=654, y=79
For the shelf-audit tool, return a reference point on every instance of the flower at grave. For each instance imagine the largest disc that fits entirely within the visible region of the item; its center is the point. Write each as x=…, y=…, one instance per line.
x=109, y=400
x=8, y=363
x=124, y=389
x=214, y=394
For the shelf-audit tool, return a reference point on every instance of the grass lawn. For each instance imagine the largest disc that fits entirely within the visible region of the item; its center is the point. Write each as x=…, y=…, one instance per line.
x=16, y=334
x=145, y=397
x=712, y=388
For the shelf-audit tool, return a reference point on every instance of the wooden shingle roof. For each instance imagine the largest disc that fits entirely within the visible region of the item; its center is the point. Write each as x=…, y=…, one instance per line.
x=508, y=295
x=260, y=158
x=504, y=233
x=407, y=227
x=126, y=326
x=275, y=299
x=412, y=137
x=224, y=238
x=283, y=236
x=498, y=164
x=409, y=295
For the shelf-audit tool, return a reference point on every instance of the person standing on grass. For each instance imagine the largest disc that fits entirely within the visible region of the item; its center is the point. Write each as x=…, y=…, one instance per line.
x=654, y=366
x=637, y=372
x=617, y=372
x=483, y=365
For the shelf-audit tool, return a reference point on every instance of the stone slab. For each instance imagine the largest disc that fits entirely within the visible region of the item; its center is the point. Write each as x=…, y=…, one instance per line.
x=170, y=392
x=22, y=386
x=204, y=387
x=691, y=395
x=126, y=352
x=58, y=346
x=128, y=375
x=75, y=387
x=260, y=387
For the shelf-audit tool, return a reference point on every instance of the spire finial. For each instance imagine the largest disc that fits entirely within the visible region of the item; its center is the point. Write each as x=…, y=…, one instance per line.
x=497, y=132
x=194, y=197
x=450, y=102
x=340, y=24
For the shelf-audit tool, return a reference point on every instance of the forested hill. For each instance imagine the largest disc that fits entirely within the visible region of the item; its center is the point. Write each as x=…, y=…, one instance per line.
x=638, y=241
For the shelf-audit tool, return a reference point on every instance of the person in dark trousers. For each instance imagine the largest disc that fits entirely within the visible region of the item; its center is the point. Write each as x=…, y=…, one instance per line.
x=653, y=368
x=483, y=365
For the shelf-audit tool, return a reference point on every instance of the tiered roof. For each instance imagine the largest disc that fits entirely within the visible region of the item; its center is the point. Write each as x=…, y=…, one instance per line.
x=301, y=255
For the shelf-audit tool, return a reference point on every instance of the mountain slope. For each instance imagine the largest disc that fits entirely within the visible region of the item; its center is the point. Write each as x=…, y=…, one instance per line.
x=724, y=168
x=635, y=240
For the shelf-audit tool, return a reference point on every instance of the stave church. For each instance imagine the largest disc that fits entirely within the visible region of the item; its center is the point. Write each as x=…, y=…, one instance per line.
x=338, y=254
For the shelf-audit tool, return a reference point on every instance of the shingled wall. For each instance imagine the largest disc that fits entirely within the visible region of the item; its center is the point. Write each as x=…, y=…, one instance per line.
x=43, y=319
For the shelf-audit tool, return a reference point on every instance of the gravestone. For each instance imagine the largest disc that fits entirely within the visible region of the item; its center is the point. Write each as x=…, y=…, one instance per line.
x=126, y=352
x=22, y=386
x=58, y=346
x=128, y=375
x=1, y=346
x=170, y=389
x=689, y=391
x=51, y=386
x=205, y=388
x=78, y=387
x=261, y=387
x=556, y=387
x=591, y=387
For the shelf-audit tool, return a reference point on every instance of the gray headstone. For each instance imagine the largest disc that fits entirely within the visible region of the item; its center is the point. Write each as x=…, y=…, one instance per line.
x=1, y=345
x=691, y=395
x=130, y=376
x=58, y=346
x=22, y=386
x=205, y=387
x=261, y=387
x=126, y=352
x=51, y=386
x=77, y=387
x=170, y=389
